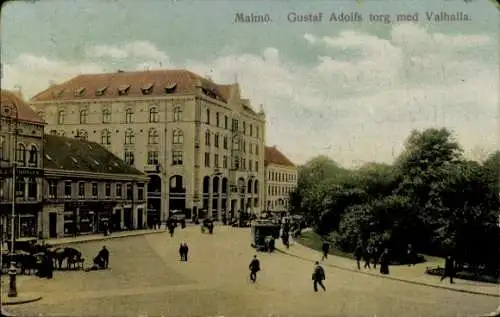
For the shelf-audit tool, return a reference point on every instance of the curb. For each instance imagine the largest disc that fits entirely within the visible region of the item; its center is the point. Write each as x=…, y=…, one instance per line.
x=104, y=238
x=6, y=302
x=396, y=278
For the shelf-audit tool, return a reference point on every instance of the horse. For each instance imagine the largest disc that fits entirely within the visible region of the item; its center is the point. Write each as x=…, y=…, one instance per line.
x=71, y=255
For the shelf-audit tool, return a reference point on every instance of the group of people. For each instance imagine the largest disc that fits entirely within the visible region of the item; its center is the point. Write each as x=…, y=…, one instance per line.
x=183, y=251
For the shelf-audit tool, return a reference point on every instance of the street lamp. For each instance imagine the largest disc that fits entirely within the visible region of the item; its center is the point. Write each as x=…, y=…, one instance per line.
x=10, y=112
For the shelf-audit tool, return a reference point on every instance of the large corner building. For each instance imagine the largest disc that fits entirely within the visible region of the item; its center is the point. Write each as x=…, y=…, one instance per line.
x=281, y=180
x=200, y=143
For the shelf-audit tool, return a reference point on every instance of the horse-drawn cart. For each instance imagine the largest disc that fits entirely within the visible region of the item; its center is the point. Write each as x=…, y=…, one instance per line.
x=263, y=235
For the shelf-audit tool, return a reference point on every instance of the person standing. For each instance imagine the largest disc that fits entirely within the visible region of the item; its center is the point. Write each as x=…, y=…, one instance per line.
x=318, y=277
x=384, y=262
x=358, y=253
x=181, y=252
x=104, y=255
x=366, y=257
x=449, y=269
x=186, y=251
x=254, y=268
x=325, y=248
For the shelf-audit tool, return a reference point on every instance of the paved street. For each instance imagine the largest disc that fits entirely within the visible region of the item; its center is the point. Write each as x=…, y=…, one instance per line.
x=146, y=277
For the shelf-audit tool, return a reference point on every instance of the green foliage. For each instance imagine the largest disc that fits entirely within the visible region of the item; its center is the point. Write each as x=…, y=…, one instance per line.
x=431, y=197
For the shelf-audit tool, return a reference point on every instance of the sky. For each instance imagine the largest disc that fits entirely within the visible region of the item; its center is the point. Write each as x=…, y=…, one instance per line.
x=349, y=90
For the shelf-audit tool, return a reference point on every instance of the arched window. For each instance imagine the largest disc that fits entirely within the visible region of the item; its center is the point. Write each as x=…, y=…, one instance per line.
x=153, y=115
x=82, y=135
x=21, y=153
x=106, y=116
x=129, y=115
x=105, y=137
x=207, y=137
x=83, y=116
x=178, y=137
x=60, y=117
x=129, y=137
x=33, y=155
x=208, y=116
x=153, y=136
x=177, y=114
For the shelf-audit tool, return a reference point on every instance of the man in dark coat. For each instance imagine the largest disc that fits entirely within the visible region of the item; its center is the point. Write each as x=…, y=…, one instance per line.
x=104, y=255
x=49, y=264
x=449, y=269
x=358, y=253
x=325, y=248
x=254, y=268
x=318, y=277
x=384, y=262
x=366, y=257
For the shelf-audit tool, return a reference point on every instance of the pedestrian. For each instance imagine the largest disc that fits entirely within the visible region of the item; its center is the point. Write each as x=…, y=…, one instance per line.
x=104, y=255
x=211, y=227
x=254, y=268
x=358, y=253
x=50, y=266
x=384, y=262
x=449, y=269
x=186, y=251
x=366, y=257
x=374, y=254
x=325, y=248
x=318, y=277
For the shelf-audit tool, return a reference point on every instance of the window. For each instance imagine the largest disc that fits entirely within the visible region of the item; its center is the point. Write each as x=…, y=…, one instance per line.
x=153, y=115
x=129, y=115
x=129, y=158
x=250, y=166
x=153, y=157
x=216, y=161
x=177, y=158
x=129, y=137
x=224, y=161
x=236, y=145
x=217, y=119
x=33, y=156
x=251, y=130
x=82, y=135
x=118, y=191
x=207, y=138
x=140, y=192
x=67, y=190
x=32, y=188
x=106, y=116
x=83, y=116
x=250, y=148
x=244, y=128
x=153, y=136
x=216, y=140
x=177, y=114
x=256, y=149
x=178, y=137
x=225, y=142
x=20, y=187
x=208, y=116
x=60, y=117
x=236, y=163
x=95, y=190
x=52, y=189
x=21, y=154
x=244, y=146
x=226, y=122
x=257, y=132
x=129, y=192
x=105, y=137
x=81, y=190
x=243, y=163
x=234, y=125
x=256, y=166
x=107, y=190
x=207, y=159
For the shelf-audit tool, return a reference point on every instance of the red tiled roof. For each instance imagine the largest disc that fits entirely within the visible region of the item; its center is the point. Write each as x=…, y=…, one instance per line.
x=24, y=111
x=274, y=156
x=109, y=84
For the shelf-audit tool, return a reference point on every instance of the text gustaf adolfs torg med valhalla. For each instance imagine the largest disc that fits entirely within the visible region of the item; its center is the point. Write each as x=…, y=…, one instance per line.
x=354, y=16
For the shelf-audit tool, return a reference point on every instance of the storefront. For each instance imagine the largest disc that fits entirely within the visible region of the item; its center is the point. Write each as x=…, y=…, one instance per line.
x=86, y=217
x=25, y=220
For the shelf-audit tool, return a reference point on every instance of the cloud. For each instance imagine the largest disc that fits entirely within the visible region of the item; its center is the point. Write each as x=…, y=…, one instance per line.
x=357, y=103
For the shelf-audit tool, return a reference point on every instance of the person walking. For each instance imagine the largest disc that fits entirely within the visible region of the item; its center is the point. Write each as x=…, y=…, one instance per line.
x=449, y=269
x=318, y=277
x=325, y=248
x=384, y=262
x=366, y=257
x=186, y=251
x=254, y=268
x=104, y=255
x=181, y=251
x=358, y=253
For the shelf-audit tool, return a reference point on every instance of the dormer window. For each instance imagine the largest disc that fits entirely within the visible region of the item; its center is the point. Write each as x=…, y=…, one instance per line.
x=79, y=92
x=101, y=91
x=170, y=89
x=123, y=90
x=147, y=89
x=209, y=93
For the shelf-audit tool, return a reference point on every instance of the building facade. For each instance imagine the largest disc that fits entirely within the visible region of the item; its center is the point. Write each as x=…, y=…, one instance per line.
x=87, y=188
x=200, y=143
x=281, y=180
x=21, y=167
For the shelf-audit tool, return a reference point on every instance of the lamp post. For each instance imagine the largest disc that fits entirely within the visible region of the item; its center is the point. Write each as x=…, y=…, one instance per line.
x=10, y=112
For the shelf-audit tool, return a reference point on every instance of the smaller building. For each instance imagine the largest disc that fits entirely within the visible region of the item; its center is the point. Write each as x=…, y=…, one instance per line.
x=281, y=180
x=87, y=188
